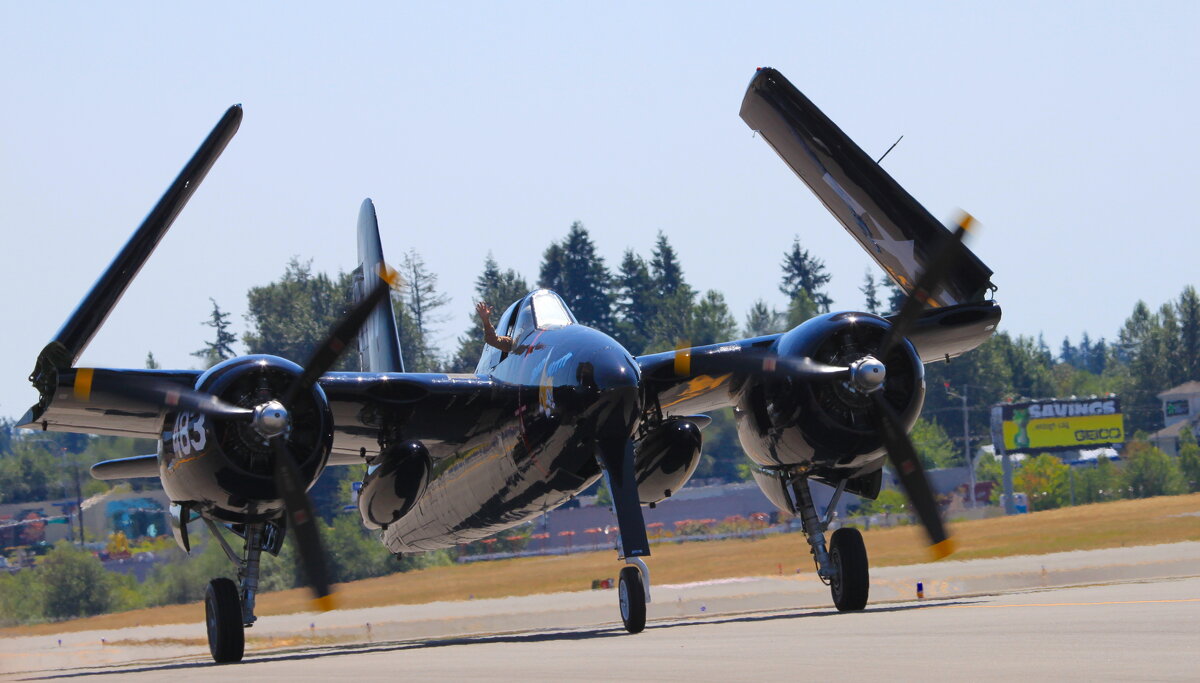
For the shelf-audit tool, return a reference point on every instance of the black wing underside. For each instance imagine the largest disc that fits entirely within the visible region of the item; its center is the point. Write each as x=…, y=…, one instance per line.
x=898, y=233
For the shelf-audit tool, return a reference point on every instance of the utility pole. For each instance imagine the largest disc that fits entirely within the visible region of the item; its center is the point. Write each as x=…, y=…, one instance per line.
x=966, y=441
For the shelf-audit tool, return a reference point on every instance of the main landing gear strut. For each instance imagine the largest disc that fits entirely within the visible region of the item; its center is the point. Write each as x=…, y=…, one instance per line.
x=843, y=566
x=633, y=587
x=229, y=606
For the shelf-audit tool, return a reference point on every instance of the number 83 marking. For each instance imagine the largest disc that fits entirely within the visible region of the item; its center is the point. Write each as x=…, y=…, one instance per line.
x=189, y=433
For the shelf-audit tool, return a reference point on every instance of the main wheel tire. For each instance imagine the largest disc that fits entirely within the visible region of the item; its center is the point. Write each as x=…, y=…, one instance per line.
x=223, y=616
x=632, y=595
x=851, y=582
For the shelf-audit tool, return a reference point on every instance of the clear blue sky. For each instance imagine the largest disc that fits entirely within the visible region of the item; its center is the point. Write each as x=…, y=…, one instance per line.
x=1068, y=129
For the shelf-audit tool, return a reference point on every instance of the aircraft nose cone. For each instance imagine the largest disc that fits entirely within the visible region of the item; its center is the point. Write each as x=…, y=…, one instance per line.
x=614, y=379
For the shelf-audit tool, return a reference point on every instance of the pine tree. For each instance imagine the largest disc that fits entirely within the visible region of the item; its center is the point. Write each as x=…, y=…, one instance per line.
x=1188, y=308
x=896, y=297
x=151, y=362
x=421, y=301
x=674, y=298
x=220, y=348
x=801, y=308
x=763, y=320
x=804, y=272
x=290, y=317
x=635, y=303
x=871, y=292
x=577, y=273
x=711, y=321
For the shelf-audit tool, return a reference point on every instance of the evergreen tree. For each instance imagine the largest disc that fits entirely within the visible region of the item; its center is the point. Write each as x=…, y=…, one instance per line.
x=635, y=303
x=577, y=273
x=763, y=320
x=666, y=271
x=1188, y=309
x=896, y=297
x=801, y=308
x=499, y=289
x=1067, y=353
x=421, y=301
x=151, y=362
x=871, y=292
x=675, y=299
x=711, y=321
x=290, y=317
x=803, y=272
x=221, y=348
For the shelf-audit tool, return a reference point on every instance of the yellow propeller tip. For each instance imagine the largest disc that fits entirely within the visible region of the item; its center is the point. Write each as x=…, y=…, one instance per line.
x=389, y=275
x=942, y=550
x=967, y=222
x=325, y=603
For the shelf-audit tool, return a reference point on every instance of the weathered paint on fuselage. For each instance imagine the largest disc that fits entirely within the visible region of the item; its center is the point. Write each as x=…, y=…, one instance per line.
x=529, y=446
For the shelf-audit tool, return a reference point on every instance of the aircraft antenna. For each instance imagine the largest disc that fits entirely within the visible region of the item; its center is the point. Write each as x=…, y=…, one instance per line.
x=889, y=149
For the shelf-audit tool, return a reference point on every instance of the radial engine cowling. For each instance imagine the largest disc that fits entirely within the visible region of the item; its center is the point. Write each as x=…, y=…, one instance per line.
x=393, y=484
x=666, y=458
x=827, y=423
x=226, y=467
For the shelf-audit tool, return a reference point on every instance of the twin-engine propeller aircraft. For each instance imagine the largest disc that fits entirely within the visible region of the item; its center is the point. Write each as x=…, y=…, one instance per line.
x=455, y=458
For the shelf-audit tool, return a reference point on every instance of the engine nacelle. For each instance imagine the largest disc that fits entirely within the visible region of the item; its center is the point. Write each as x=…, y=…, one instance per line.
x=393, y=484
x=224, y=466
x=666, y=458
x=827, y=423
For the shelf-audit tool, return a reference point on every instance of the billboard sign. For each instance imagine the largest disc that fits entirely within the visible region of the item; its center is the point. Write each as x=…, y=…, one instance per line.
x=1060, y=425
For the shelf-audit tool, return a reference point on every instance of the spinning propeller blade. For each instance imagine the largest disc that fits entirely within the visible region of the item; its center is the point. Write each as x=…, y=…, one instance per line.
x=756, y=362
x=899, y=448
x=912, y=475
x=291, y=486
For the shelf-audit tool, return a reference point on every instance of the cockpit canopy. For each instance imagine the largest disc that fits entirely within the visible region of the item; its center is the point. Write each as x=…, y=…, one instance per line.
x=540, y=309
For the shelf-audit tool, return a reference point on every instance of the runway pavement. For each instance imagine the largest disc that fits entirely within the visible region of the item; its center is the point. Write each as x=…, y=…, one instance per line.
x=1133, y=619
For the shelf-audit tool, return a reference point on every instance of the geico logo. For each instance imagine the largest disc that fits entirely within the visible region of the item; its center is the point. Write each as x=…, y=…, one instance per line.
x=1111, y=434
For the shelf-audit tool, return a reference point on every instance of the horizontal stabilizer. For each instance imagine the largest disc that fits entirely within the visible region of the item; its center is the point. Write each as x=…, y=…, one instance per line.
x=126, y=468
x=893, y=227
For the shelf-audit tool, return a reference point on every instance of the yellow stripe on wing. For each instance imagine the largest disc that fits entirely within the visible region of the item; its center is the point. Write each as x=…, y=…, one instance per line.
x=83, y=384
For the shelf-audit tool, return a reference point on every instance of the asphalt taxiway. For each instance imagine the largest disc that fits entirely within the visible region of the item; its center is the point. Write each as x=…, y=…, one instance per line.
x=1124, y=614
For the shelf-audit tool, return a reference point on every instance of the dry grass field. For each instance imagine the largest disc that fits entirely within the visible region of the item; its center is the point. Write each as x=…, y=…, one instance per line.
x=1106, y=525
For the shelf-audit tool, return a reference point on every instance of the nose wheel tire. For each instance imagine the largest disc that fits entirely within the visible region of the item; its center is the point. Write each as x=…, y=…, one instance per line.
x=851, y=581
x=632, y=595
x=223, y=617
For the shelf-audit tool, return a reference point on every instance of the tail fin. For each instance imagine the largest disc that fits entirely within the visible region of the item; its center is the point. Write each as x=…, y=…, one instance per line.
x=378, y=341
x=892, y=226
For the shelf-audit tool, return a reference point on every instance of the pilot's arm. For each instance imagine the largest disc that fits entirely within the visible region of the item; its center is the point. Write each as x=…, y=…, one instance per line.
x=505, y=344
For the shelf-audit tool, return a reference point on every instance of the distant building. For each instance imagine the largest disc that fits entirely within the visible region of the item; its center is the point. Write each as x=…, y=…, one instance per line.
x=1181, y=410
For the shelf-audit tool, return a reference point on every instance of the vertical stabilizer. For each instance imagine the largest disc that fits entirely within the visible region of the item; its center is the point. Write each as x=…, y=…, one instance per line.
x=378, y=341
